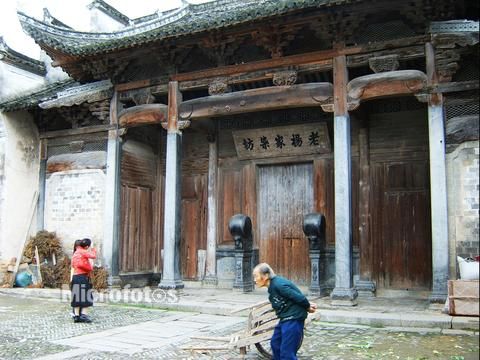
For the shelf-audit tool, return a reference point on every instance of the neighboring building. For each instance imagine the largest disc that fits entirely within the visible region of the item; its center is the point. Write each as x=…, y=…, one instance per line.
x=273, y=109
x=18, y=147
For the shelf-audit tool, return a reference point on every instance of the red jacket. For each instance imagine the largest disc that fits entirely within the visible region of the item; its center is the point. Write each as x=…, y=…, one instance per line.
x=80, y=260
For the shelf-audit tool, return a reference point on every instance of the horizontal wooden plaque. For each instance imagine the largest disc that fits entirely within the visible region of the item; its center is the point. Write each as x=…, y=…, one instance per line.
x=291, y=140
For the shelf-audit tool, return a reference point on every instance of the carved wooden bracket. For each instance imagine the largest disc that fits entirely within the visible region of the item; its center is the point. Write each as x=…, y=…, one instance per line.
x=400, y=82
x=288, y=77
x=219, y=86
x=142, y=96
x=143, y=115
x=381, y=64
x=182, y=124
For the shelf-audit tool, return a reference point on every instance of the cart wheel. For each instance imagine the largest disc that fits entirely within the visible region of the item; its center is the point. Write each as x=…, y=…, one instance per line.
x=266, y=351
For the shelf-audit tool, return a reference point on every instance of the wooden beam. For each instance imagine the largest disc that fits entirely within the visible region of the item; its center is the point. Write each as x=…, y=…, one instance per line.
x=455, y=86
x=142, y=115
x=79, y=131
x=262, y=99
x=301, y=59
x=386, y=84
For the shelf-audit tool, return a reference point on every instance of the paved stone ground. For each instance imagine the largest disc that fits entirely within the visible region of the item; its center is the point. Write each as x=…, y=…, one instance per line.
x=43, y=329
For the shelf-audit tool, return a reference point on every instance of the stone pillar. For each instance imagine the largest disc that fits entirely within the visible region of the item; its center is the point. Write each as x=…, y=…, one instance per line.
x=112, y=208
x=211, y=260
x=438, y=184
x=343, y=293
x=171, y=277
x=112, y=200
x=439, y=213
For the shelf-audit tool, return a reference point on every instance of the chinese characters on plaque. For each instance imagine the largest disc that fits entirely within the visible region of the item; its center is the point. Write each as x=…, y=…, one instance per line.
x=282, y=141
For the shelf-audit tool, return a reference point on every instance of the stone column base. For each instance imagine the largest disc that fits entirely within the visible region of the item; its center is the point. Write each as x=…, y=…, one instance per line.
x=344, y=297
x=437, y=298
x=171, y=284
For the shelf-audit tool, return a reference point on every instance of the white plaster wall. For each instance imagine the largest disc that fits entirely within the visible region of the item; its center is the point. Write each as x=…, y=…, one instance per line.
x=463, y=202
x=54, y=74
x=14, y=80
x=100, y=22
x=74, y=206
x=21, y=175
x=3, y=139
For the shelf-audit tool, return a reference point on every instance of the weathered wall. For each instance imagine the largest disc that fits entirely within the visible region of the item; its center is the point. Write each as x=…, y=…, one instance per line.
x=463, y=202
x=3, y=139
x=74, y=206
x=14, y=80
x=20, y=180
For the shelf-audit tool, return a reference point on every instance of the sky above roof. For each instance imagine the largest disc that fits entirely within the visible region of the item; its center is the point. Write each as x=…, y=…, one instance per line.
x=72, y=13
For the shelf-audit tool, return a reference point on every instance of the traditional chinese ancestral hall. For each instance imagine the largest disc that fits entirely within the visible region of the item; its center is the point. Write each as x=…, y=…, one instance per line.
x=271, y=109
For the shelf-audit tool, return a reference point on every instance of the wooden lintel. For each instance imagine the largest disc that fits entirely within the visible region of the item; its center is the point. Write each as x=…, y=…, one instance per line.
x=78, y=131
x=455, y=86
x=400, y=82
x=262, y=99
x=143, y=115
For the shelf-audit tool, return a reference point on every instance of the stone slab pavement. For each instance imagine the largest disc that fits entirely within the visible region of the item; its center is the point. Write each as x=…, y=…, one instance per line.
x=42, y=328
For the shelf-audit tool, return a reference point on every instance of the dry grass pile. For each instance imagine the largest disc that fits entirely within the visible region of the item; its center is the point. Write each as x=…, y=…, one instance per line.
x=47, y=243
x=99, y=278
x=54, y=276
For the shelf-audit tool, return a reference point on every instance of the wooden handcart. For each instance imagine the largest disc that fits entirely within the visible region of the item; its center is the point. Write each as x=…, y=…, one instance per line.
x=260, y=325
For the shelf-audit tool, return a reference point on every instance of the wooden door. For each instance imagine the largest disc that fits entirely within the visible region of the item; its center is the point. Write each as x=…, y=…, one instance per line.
x=401, y=225
x=285, y=194
x=193, y=227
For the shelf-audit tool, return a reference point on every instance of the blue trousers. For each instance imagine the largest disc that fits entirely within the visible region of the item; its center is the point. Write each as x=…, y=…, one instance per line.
x=286, y=339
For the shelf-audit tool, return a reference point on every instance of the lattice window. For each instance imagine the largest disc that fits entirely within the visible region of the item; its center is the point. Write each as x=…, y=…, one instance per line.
x=385, y=31
x=69, y=149
x=461, y=104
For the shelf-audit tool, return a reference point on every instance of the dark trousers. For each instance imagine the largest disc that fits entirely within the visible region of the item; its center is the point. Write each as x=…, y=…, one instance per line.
x=286, y=339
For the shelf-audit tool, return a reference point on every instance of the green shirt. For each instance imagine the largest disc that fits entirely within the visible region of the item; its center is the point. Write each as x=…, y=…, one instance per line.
x=287, y=300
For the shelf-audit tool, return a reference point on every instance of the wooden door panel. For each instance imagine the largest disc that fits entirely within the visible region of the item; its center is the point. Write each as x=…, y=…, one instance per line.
x=190, y=238
x=401, y=225
x=136, y=251
x=193, y=228
x=285, y=196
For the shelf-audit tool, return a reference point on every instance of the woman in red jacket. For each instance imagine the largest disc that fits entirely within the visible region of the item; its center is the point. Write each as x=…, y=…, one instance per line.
x=82, y=296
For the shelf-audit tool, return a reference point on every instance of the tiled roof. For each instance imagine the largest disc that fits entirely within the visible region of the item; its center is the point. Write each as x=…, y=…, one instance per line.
x=21, y=61
x=188, y=19
x=33, y=98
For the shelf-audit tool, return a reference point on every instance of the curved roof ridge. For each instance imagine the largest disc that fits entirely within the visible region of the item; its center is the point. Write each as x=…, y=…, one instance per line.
x=14, y=58
x=185, y=20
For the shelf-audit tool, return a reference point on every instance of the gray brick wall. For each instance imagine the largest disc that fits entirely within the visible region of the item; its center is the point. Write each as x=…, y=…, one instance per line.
x=463, y=193
x=74, y=205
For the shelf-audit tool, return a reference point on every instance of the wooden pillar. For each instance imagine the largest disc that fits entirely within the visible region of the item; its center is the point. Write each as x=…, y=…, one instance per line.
x=171, y=277
x=438, y=184
x=211, y=261
x=343, y=293
x=112, y=200
x=365, y=286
